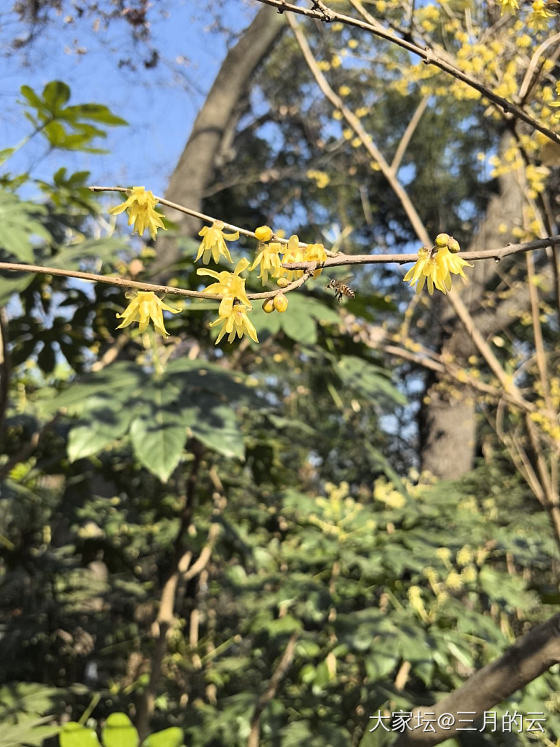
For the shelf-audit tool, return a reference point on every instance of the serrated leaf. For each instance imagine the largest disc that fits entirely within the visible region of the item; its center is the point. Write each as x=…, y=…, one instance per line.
x=215, y=425
x=98, y=249
x=158, y=443
x=106, y=426
x=119, y=732
x=116, y=383
x=29, y=731
x=8, y=286
x=19, y=225
x=368, y=379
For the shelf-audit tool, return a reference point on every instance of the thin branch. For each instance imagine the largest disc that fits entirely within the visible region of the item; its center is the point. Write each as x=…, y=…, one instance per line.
x=277, y=676
x=485, y=349
x=364, y=136
x=336, y=261
x=526, y=660
x=425, y=54
x=166, y=289
x=529, y=77
x=408, y=133
x=194, y=213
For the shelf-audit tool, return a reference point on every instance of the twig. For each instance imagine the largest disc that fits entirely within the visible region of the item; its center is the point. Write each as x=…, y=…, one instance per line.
x=277, y=676
x=364, y=136
x=408, y=133
x=425, y=54
x=528, y=78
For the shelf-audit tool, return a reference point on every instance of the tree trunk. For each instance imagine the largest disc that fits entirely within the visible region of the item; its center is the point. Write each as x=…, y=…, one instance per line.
x=448, y=422
x=218, y=115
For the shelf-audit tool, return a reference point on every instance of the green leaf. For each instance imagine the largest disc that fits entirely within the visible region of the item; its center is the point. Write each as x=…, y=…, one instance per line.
x=76, y=735
x=31, y=97
x=95, y=113
x=172, y=737
x=56, y=94
x=368, y=379
x=19, y=225
x=5, y=154
x=215, y=425
x=107, y=425
x=158, y=442
x=13, y=283
x=119, y=732
x=28, y=730
x=72, y=257
x=297, y=322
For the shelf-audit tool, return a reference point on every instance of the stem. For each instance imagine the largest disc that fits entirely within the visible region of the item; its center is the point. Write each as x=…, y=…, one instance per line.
x=277, y=676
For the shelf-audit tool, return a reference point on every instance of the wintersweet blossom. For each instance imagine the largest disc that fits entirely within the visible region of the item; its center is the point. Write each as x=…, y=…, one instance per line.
x=213, y=244
x=293, y=253
x=435, y=267
x=540, y=16
x=229, y=286
x=315, y=253
x=451, y=262
x=140, y=206
x=269, y=260
x=144, y=306
x=511, y=5
x=235, y=323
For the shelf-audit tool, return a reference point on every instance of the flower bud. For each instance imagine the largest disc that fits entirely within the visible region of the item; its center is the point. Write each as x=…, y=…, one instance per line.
x=453, y=245
x=268, y=305
x=282, y=282
x=442, y=239
x=263, y=233
x=280, y=302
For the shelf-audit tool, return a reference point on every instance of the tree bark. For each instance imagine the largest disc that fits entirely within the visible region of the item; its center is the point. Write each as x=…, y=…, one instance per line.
x=527, y=659
x=218, y=115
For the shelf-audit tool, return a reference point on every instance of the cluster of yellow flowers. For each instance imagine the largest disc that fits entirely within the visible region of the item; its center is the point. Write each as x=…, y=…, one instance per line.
x=235, y=305
x=436, y=265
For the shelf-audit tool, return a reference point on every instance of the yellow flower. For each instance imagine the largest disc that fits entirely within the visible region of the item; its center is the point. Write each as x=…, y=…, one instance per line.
x=230, y=286
x=145, y=306
x=451, y=262
x=425, y=267
x=293, y=253
x=435, y=265
x=511, y=5
x=236, y=322
x=269, y=260
x=140, y=206
x=315, y=253
x=213, y=244
x=263, y=233
x=539, y=17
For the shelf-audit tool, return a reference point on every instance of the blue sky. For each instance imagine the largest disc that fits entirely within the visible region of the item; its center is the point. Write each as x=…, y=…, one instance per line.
x=160, y=104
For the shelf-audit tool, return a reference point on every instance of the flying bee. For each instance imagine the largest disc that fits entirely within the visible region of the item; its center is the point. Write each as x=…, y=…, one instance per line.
x=340, y=289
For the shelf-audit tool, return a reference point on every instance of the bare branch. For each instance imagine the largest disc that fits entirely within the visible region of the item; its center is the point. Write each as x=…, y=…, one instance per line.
x=526, y=660
x=277, y=676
